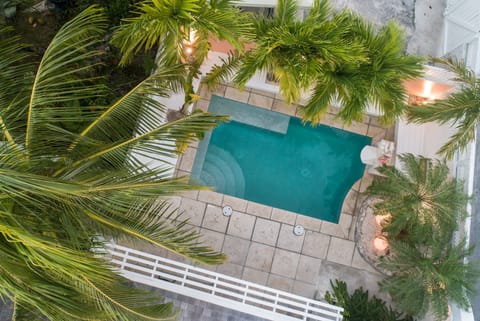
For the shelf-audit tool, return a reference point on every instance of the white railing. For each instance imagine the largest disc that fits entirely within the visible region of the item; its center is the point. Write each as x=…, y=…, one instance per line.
x=219, y=289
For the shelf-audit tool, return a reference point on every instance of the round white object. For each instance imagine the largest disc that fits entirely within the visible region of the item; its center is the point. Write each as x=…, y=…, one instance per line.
x=227, y=210
x=298, y=230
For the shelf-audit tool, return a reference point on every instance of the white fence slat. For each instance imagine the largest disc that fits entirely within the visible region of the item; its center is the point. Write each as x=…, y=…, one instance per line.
x=219, y=289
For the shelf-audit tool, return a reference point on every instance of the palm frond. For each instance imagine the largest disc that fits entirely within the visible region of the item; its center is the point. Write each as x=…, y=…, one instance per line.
x=286, y=11
x=155, y=143
x=60, y=79
x=224, y=72
x=423, y=279
x=461, y=109
x=141, y=100
x=423, y=202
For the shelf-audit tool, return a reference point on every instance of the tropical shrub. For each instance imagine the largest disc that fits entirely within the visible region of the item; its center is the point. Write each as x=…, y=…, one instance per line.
x=424, y=208
x=359, y=306
x=71, y=172
x=421, y=200
x=429, y=277
x=334, y=56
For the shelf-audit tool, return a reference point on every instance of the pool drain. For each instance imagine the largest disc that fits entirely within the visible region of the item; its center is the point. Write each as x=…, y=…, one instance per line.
x=298, y=230
x=227, y=210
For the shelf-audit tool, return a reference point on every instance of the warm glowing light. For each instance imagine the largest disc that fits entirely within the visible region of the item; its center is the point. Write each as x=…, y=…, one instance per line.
x=188, y=50
x=192, y=35
x=381, y=219
x=427, y=89
x=380, y=245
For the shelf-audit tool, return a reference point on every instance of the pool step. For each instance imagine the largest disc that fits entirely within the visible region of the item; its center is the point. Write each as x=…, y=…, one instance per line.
x=221, y=170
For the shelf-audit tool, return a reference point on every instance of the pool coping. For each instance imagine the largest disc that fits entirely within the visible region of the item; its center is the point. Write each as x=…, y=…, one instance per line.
x=258, y=239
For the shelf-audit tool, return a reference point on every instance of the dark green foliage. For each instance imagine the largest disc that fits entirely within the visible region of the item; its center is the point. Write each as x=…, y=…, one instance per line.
x=337, y=56
x=426, y=207
x=360, y=307
x=64, y=179
x=430, y=277
x=423, y=201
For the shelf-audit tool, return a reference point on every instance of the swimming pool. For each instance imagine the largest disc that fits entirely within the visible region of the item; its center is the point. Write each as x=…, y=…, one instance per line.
x=273, y=159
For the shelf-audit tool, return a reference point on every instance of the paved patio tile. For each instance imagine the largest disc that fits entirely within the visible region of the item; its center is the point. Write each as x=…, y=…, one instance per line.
x=205, y=92
x=237, y=204
x=283, y=216
x=188, y=157
x=356, y=186
x=219, y=90
x=266, y=231
x=255, y=276
x=189, y=194
x=308, y=269
x=282, y=107
x=306, y=290
x=231, y=269
x=260, y=257
x=289, y=241
x=241, y=225
x=264, y=92
x=309, y=223
x=212, y=238
x=214, y=219
x=340, y=251
x=359, y=263
x=316, y=244
x=329, y=119
x=259, y=209
x=280, y=282
x=342, y=229
x=285, y=263
x=236, y=249
x=210, y=197
x=374, y=131
x=366, y=182
x=260, y=100
x=202, y=104
x=350, y=201
x=238, y=95
x=336, y=122
x=357, y=127
x=353, y=277
x=192, y=209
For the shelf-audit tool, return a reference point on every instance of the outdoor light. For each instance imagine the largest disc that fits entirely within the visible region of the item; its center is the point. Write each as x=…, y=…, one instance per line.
x=380, y=245
x=227, y=210
x=298, y=230
x=189, y=43
x=381, y=219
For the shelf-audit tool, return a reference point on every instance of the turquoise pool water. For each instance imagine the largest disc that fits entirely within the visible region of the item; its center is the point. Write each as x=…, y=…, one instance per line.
x=272, y=159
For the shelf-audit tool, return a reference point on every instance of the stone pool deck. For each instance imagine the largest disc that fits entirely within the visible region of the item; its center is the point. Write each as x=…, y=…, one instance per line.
x=259, y=239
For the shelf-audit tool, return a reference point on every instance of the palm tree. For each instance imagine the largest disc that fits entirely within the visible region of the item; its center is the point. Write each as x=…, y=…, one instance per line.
x=338, y=56
x=422, y=201
x=181, y=29
x=428, y=278
x=60, y=189
x=173, y=25
x=461, y=108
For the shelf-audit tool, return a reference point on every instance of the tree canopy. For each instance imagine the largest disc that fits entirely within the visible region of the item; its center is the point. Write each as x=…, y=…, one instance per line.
x=71, y=174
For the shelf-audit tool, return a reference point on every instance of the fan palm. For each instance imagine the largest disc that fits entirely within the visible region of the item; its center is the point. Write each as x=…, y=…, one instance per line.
x=462, y=108
x=422, y=201
x=338, y=56
x=60, y=188
x=428, y=278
